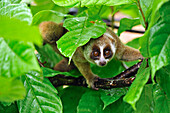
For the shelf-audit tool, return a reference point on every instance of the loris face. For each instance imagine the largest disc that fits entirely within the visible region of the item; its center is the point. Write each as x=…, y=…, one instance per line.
x=101, y=50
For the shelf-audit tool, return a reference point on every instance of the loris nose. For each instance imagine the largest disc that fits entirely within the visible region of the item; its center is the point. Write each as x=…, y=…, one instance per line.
x=102, y=63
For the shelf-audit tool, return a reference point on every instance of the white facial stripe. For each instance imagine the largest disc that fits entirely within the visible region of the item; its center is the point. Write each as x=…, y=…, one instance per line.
x=113, y=45
x=113, y=48
x=107, y=34
x=101, y=53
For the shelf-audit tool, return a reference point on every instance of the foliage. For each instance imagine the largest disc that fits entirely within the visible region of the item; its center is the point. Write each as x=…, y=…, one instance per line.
x=23, y=84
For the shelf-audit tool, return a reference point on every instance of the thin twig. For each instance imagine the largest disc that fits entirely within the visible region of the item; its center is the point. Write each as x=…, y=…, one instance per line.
x=139, y=6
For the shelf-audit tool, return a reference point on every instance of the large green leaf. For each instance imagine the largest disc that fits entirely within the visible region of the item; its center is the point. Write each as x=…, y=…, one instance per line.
x=113, y=68
x=162, y=101
x=160, y=40
x=18, y=30
x=81, y=29
x=119, y=107
x=19, y=11
x=145, y=103
x=163, y=78
x=17, y=58
x=41, y=96
x=90, y=103
x=136, y=88
x=72, y=3
x=110, y=96
x=127, y=24
x=48, y=15
x=144, y=41
x=70, y=97
x=11, y=89
x=15, y=29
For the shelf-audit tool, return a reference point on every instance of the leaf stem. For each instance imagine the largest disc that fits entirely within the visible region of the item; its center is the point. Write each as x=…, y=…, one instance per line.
x=146, y=24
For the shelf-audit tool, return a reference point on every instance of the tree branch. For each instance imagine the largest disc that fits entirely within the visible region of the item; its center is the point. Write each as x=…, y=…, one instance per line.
x=121, y=80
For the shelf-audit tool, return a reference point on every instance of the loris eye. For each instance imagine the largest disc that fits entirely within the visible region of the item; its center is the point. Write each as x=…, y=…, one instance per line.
x=95, y=53
x=107, y=53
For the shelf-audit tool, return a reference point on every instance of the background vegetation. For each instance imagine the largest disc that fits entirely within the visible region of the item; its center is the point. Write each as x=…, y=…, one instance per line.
x=23, y=84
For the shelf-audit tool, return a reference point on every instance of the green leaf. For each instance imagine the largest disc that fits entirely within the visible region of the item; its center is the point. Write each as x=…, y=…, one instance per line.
x=90, y=103
x=163, y=78
x=113, y=68
x=17, y=58
x=47, y=5
x=19, y=11
x=136, y=88
x=110, y=96
x=48, y=15
x=15, y=29
x=70, y=97
x=127, y=24
x=162, y=101
x=119, y=107
x=144, y=41
x=146, y=7
x=155, y=12
x=48, y=55
x=11, y=89
x=9, y=109
x=160, y=40
x=91, y=2
x=145, y=103
x=41, y=96
x=47, y=72
x=81, y=29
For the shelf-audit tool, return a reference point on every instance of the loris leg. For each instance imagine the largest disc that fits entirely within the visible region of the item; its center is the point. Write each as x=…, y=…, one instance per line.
x=130, y=54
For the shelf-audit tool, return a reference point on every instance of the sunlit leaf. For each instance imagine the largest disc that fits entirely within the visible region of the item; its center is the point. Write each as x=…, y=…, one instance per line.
x=41, y=96
x=15, y=29
x=81, y=29
x=17, y=58
x=11, y=89
x=160, y=40
x=48, y=15
x=72, y=3
x=136, y=88
x=19, y=11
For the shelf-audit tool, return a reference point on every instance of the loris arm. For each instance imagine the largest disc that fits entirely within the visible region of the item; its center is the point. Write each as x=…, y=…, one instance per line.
x=129, y=54
x=84, y=67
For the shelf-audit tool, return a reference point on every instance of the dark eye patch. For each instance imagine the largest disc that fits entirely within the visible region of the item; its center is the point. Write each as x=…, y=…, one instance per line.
x=95, y=54
x=107, y=52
